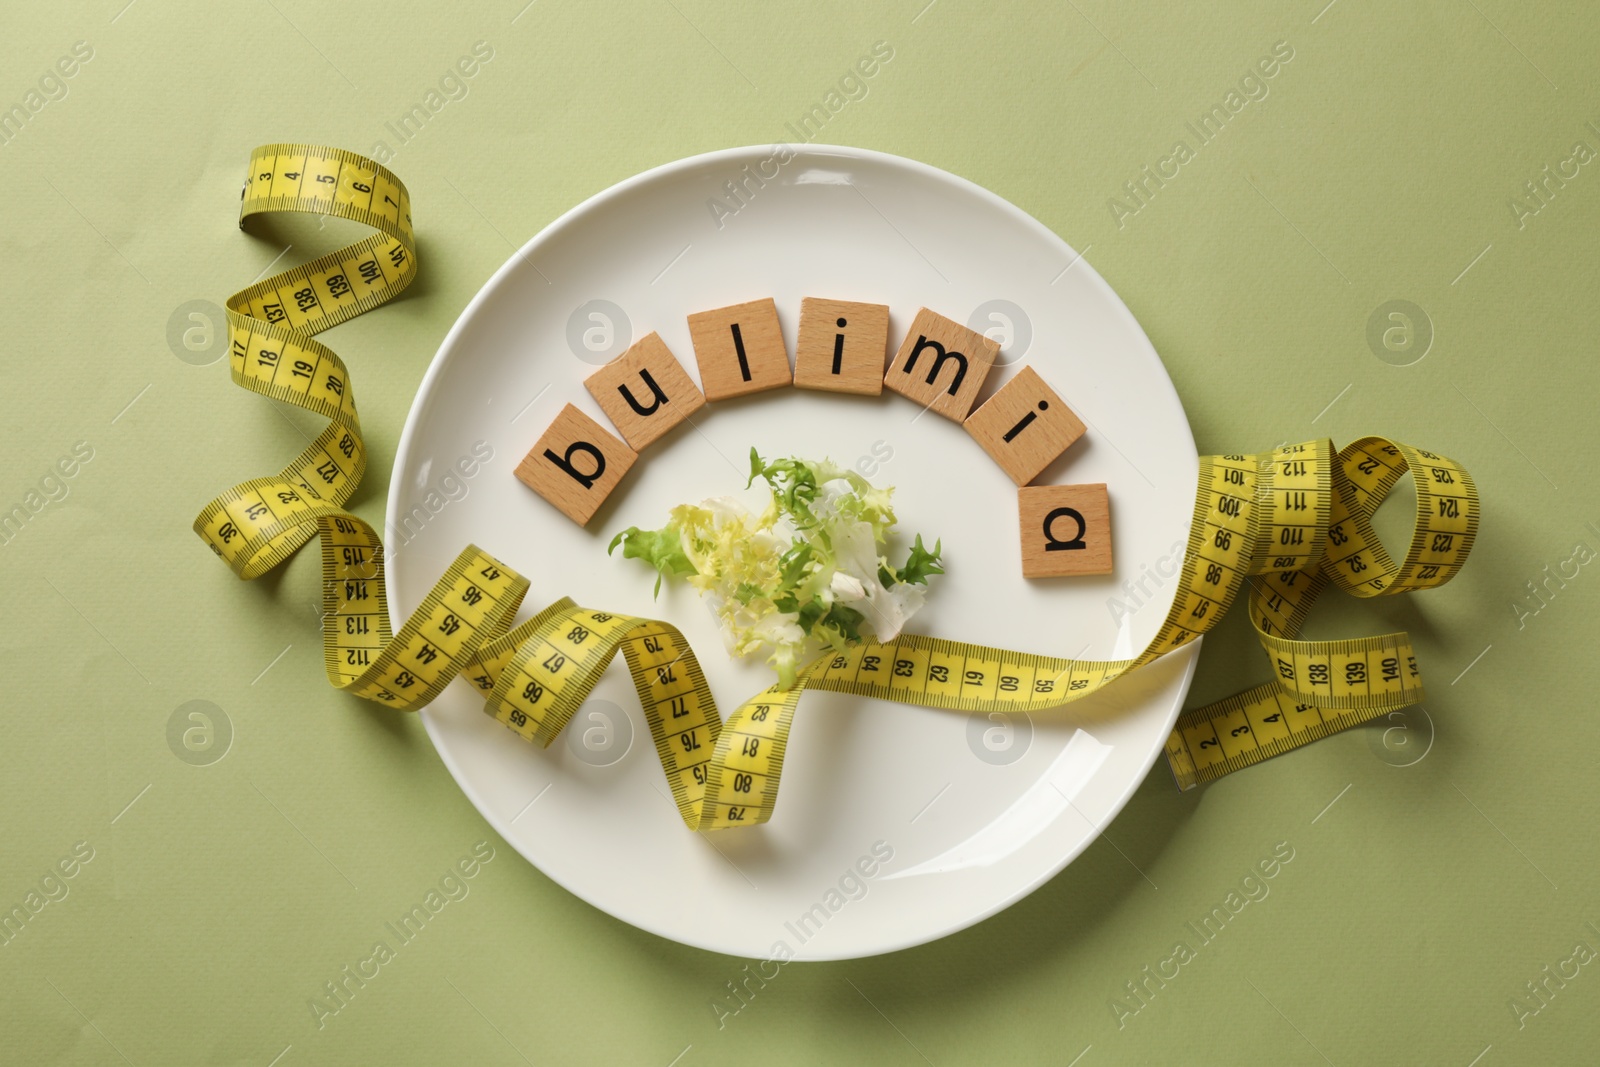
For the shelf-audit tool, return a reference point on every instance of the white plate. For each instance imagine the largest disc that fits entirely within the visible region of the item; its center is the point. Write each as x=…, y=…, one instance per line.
x=975, y=812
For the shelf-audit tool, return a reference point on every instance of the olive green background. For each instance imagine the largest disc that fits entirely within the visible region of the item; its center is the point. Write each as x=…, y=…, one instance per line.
x=1441, y=861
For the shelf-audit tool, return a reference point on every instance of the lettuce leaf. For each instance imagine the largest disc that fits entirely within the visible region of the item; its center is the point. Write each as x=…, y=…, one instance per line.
x=919, y=565
x=808, y=572
x=660, y=548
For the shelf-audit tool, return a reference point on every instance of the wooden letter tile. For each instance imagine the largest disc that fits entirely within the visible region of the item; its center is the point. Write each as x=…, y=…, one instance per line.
x=1024, y=426
x=841, y=346
x=1066, y=530
x=645, y=391
x=575, y=465
x=941, y=365
x=739, y=349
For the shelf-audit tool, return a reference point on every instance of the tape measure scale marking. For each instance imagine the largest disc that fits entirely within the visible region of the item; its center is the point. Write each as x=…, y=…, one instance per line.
x=1287, y=523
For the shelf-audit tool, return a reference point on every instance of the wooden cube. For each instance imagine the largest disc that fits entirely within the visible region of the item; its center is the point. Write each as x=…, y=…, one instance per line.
x=1024, y=426
x=645, y=391
x=941, y=365
x=1066, y=530
x=575, y=464
x=842, y=346
x=740, y=349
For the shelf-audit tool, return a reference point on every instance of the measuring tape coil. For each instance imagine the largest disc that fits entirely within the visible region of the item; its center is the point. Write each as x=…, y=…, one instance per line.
x=1287, y=523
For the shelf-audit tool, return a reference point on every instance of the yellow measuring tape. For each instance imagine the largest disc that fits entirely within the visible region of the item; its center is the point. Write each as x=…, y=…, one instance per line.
x=1289, y=522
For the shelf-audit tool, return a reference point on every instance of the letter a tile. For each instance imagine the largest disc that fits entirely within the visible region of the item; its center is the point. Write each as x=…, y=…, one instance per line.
x=1066, y=530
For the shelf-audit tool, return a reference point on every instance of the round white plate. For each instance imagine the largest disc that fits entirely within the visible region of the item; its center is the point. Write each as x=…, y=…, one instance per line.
x=895, y=824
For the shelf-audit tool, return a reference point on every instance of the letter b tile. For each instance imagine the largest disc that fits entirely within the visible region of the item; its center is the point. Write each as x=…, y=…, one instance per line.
x=575, y=464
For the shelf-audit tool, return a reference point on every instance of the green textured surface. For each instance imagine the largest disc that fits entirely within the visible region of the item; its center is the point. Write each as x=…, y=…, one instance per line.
x=1421, y=899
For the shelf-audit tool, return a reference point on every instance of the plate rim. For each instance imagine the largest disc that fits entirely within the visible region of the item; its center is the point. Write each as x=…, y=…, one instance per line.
x=442, y=357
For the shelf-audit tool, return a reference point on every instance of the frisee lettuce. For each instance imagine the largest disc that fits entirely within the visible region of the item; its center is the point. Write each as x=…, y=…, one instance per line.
x=809, y=568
